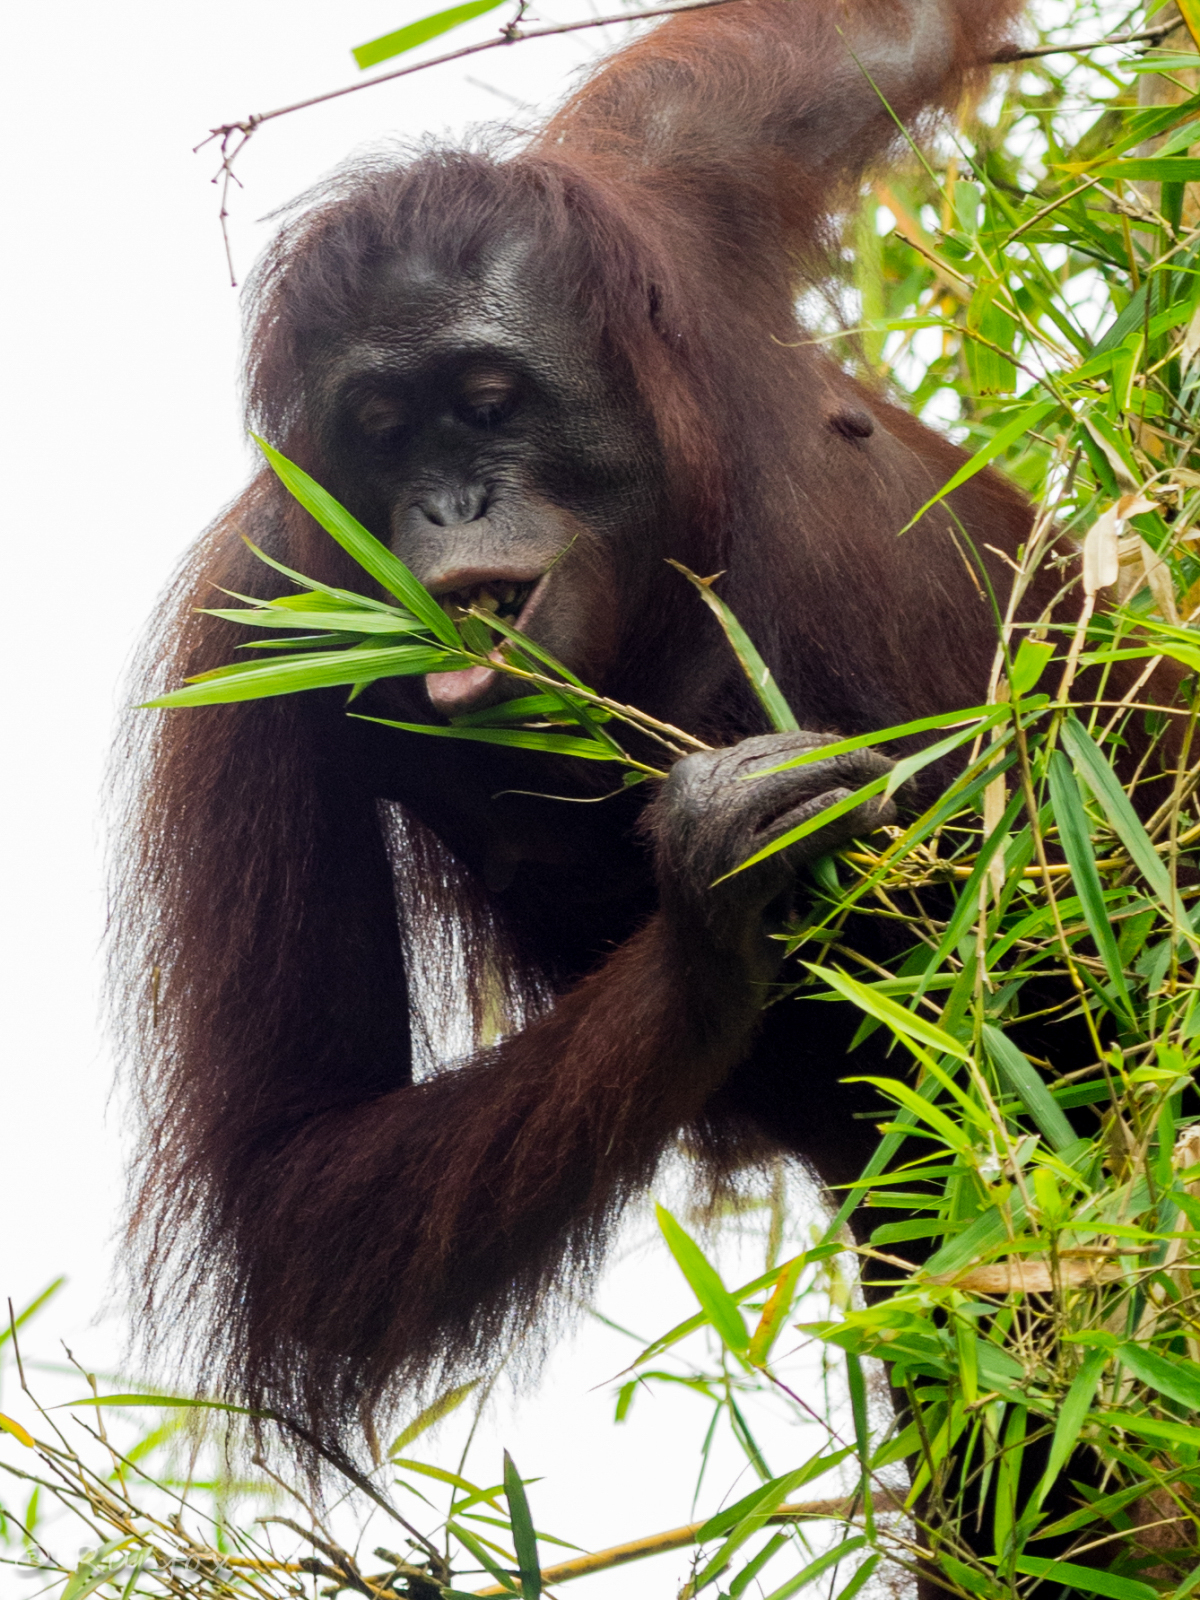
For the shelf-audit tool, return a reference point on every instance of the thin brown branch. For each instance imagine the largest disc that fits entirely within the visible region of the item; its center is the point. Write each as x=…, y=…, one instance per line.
x=510, y=34
x=1144, y=36
x=234, y=136
x=1046, y=210
x=344, y=1564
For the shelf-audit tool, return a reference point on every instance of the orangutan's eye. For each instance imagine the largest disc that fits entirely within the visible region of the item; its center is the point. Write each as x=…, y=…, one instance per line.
x=487, y=398
x=381, y=418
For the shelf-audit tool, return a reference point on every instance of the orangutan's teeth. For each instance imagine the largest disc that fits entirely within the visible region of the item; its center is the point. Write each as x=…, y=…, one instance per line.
x=500, y=599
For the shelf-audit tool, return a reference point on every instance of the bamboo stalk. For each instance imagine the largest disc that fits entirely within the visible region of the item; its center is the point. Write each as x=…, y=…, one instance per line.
x=679, y=1538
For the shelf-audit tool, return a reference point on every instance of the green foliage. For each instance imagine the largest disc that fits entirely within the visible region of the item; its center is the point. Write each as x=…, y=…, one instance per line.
x=389, y=45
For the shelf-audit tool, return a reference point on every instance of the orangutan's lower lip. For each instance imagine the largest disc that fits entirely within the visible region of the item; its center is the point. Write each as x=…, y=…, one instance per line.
x=453, y=693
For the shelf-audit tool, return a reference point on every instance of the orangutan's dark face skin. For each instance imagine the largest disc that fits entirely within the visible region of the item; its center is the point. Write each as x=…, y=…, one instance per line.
x=474, y=430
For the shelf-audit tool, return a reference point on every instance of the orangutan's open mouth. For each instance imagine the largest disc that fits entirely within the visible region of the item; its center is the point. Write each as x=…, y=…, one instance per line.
x=503, y=597
x=511, y=600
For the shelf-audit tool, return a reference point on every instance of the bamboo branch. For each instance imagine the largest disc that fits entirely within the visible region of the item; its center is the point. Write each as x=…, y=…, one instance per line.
x=655, y=1544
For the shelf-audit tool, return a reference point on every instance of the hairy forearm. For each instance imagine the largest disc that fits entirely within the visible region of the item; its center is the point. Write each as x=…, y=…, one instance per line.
x=580, y=1102
x=426, y=1225
x=818, y=83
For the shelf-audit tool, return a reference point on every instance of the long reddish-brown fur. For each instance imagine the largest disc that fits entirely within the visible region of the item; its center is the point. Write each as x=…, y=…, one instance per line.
x=322, y=1230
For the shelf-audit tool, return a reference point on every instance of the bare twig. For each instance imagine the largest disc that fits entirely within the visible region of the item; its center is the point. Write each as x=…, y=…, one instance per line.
x=1144, y=36
x=1046, y=210
x=511, y=33
x=342, y=1562
x=234, y=136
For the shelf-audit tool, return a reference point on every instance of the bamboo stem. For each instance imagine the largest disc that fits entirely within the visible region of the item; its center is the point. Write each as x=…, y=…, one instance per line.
x=679, y=1538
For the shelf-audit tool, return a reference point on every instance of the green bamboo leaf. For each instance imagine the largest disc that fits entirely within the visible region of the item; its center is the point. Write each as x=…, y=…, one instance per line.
x=1088, y=1579
x=757, y=1562
x=1153, y=169
x=908, y=1024
x=1155, y=121
x=260, y=680
x=922, y=1109
x=966, y=1345
x=528, y=708
x=483, y=1555
x=344, y=597
x=856, y=1383
x=1113, y=442
x=434, y=1412
x=1168, y=60
x=1031, y=661
x=976, y=715
x=524, y=1538
x=362, y=660
x=774, y=1314
x=1094, y=1511
x=389, y=45
x=861, y=1577
x=1174, y=651
x=909, y=766
x=983, y=1234
x=1077, y=844
x=898, y=1232
x=21, y=1434
x=329, y=621
x=887, y=1147
x=86, y=1579
x=813, y=824
x=753, y=665
x=1008, y=1476
x=366, y=549
x=705, y=1282
x=523, y=645
x=972, y=1581
x=966, y=907
x=305, y=641
x=98, y=1568
x=771, y=1494
x=744, y=1519
x=1090, y=763
x=887, y=784
x=313, y=600
x=830, y=1246
x=1154, y=1428
x=1025, y=421
x=814, y=1569
x=472, y=1491
x=1070, y=1421
x=1189, y=1585
x=32, y=1308
x=167, y=1400
x=1023, y=1079
x=1178, y=1380
x=563, y=744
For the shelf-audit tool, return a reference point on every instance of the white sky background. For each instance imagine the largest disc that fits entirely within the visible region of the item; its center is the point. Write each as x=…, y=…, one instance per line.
x=123, y=439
